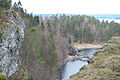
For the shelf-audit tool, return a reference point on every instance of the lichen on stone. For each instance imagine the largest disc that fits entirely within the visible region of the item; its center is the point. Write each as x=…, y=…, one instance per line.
x=11, y=36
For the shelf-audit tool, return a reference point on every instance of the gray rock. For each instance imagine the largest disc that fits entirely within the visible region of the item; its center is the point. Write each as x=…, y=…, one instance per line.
x=13, y=36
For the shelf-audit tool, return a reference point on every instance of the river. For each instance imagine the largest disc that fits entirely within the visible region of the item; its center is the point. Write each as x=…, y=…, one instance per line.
x=73, y=66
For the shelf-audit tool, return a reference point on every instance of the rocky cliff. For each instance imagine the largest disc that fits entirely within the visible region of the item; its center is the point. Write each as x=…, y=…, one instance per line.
x=11, y=35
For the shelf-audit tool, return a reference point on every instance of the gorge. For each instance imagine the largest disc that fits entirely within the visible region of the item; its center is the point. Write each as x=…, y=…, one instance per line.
x=72, y=66
x=34, y=47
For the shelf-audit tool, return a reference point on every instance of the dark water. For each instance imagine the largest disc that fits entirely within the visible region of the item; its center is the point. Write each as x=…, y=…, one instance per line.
x=72, y=67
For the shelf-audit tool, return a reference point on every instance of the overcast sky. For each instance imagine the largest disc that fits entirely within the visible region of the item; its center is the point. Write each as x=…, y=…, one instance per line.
x=71, y=6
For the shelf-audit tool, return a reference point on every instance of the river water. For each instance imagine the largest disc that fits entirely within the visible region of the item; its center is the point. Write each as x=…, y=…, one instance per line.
x=73, y=66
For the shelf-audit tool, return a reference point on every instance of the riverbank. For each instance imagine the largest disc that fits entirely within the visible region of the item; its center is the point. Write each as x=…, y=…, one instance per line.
x=72, y=64
x=78, y=45
x=104, y=65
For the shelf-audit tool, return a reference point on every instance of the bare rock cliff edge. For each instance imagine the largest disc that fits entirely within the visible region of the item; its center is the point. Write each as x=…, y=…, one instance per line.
x=11, y=36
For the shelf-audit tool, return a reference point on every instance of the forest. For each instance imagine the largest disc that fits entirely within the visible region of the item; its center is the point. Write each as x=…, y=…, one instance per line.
x=82, y=29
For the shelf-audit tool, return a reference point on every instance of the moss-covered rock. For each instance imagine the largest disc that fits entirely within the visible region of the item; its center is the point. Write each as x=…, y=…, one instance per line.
x=3, y=77
x=3, y=25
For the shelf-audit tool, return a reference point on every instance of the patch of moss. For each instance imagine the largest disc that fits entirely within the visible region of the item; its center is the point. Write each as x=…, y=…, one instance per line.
x=1, y=12
x=1, y=35
x=32, y=77
x=110, y=62
x=96, y=74
x=3, y=25
x=113, y=40
x=33, y=29
x=42, y=62
x=3, y=77
x=113, y=49
x=13, y=11
x=22, y=74
x=21, y=66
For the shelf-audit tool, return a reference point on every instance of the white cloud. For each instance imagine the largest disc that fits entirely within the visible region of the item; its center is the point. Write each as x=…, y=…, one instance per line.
x=72, y=6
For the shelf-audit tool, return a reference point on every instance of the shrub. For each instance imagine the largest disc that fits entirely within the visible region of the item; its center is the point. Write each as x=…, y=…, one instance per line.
x=32, y=77
x=5, y=4
x=3, y=77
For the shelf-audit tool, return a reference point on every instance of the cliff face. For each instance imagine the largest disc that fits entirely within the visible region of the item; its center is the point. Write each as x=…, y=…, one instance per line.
x=11, y=34
x=35, y=58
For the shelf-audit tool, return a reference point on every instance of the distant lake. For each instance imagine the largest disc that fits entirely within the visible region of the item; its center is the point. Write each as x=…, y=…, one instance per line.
x=109, y=20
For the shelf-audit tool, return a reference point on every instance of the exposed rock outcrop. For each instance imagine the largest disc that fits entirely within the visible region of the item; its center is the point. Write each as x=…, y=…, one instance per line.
x=12, y=35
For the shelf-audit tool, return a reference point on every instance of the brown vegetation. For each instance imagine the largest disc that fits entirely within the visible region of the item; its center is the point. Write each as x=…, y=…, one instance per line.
x=104, y=65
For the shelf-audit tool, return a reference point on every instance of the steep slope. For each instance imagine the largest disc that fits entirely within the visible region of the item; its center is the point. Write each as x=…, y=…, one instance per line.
x=11, y=36
x=42, y=52
x=38, y=54
x=104, y=65
x=37, y=58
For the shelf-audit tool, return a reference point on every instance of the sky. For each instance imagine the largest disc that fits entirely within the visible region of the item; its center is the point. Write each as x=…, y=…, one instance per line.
x=71, y=6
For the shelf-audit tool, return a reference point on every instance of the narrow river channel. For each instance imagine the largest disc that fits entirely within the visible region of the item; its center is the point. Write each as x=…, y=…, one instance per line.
x=73, y=66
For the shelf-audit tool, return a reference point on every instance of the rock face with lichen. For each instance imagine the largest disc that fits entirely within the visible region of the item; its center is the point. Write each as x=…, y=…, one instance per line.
x=105, y=65
x=11, y=35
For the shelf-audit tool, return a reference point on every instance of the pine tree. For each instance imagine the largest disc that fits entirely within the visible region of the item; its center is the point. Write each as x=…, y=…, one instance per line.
x=19, y=4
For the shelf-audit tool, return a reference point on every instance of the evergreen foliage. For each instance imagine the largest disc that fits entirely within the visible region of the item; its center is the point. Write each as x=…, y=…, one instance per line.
x=5, y=4
x=3, y=77
x=85, y=29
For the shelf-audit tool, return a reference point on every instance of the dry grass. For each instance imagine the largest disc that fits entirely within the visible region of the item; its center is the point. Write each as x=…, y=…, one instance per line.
x=77, y=45
x=104, y=65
